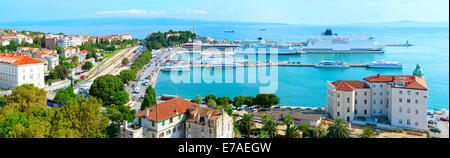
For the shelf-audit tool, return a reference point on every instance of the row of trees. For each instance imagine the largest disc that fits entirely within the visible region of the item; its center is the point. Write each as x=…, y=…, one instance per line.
x=158, y=40
x=266, y=100
x=142, y=60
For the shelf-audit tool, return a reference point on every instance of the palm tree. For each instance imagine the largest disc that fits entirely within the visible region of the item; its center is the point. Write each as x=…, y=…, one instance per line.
x=288, y=121
x=264, y=134
x=292, y=132
x=269, y=126
x=305, y=129
x=248, y=123
x=338, y=130
x=319, y=131
x=367, y=133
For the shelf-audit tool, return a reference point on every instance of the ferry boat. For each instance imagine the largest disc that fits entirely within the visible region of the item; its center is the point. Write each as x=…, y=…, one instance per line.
x=175, y=69
x=228, y=31
x=331, y=64
x=262, y=47
x=328, y=42
x=383, y=64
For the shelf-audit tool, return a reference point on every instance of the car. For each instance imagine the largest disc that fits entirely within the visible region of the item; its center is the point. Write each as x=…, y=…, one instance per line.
x=444, y=118
x=431, y=122
x=436, y=130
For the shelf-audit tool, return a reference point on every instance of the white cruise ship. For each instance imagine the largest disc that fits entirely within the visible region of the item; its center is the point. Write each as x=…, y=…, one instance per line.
x=263, y=47
x=333, y=43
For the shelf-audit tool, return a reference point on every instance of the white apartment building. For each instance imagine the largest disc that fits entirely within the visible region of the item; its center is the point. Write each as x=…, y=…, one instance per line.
x=69, y=52
x=209, y=123
x=16, y=70
x=70, y=41
x=4, y=42
x=399, y=100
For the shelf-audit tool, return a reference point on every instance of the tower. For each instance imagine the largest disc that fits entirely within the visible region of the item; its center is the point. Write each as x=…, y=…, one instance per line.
x=418, y=72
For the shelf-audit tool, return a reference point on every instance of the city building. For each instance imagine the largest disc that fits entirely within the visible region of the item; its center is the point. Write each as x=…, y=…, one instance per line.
x=209, y=123
x=398, y=100
x=16, y=70
x=4, y=42
x=71, y=41
x=178, y=118
x=69, y=52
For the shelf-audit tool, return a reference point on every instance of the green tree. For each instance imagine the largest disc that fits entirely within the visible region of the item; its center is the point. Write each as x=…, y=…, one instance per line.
x=25, y=96
x=223, y=100
x=198, y=99
x=367, y=133
x=211, y=103
x=62, y=71
x=292, y=132
x=319, y=131
x=247, y=123
x=125, y=61
x=269, y=126
x=104, y=87
x=149, y=98
x=127, y=75
x=338, y=130
x=211, y=96
x=266, y=100
x=288, y=121
x=120, y=98
x=117, y=114
x=86, y=117
x=87, y=66
x=264, y=134
x=65, y=95
x=305, y=130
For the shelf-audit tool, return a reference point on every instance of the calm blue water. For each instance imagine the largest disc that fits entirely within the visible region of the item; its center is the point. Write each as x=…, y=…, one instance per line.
x=304, y=86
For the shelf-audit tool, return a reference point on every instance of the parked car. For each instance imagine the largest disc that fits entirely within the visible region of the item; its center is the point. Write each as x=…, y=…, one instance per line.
x=444, y=118
x=436, y=130
x=431, y=122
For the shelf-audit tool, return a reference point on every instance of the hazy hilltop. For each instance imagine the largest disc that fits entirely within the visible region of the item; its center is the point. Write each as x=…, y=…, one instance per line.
x=403, y=23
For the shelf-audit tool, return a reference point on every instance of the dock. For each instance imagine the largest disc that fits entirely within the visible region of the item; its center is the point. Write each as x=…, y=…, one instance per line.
x=260, y=64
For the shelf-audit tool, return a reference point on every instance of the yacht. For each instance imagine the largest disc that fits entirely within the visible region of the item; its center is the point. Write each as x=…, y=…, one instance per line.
x=331, y=64
x=328, y=42
x=383, y=64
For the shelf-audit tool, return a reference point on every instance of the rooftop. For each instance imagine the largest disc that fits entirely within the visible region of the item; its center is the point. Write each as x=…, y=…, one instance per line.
x=411, y=82
x=167, y=109
x=349, y=85
x=15, y=59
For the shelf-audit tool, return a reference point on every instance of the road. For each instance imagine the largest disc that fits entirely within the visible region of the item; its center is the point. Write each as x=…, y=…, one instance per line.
x=148, y=76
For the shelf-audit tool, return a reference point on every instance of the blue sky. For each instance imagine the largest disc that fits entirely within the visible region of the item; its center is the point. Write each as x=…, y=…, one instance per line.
x=321, y=12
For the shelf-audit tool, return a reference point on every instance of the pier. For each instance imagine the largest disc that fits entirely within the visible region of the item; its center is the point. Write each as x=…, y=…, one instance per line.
x=258, y=64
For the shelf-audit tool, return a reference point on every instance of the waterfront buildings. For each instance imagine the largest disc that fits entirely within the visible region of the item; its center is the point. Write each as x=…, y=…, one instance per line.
x=169, y=120
x=209, y=123
x=16, y=70
x=398, y=100
x=71, y=41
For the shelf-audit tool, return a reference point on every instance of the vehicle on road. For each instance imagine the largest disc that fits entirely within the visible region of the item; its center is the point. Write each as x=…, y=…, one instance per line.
x=444, y=118
x=436, y=130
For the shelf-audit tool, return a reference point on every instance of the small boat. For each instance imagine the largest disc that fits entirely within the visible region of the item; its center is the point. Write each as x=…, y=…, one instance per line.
x=383, y=64
x=168, y=97
x=331, y=64
x=262, y=29
x=174, y=69
x=228, y=31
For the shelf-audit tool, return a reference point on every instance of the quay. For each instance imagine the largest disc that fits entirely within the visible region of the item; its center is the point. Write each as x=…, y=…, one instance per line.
x=257, y=64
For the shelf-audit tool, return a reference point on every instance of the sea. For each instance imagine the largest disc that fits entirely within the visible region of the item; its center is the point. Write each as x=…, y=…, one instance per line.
x=301, y=86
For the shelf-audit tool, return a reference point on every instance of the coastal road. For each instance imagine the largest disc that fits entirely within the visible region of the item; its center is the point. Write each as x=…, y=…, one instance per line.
x=149, y=74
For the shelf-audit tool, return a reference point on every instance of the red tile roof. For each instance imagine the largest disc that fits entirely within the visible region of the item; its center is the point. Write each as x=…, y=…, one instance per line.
x=15, y=59
x=166, y=109
x=412, y=82
x=348, y=85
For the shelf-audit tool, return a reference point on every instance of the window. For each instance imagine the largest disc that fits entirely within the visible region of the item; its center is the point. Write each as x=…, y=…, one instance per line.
x=356, y=93
x=417, y=112
x=400, y=100
x=210, y=131
x=374, y=85
x=408, y=100
x=365, y=93
x=400, y=91
x=174, y=130
x=161, y=135
x=348, y=100
x=168, y=132
x=338, y=114
x=338, y=95
x=374, y=101
x=417, y=93
x=153, y=135
x=400, y=121
x=381, y=101
x=381, y=85
x=189, y=126
x=374, y=112
x=339, y=104
x=365, y=112
x=374, y=93
x=409, y=92
x=153, y=123
x=387, y=93
x=348, y=119
x=365, y=101
x=408, y=122
x=417, y=101
x=356, y=111
x=179, y=116
x=348, y=109
x=180, y=127
x=381, y=93
x=417, y=123
x=356, y=101
x=408, y=111
x=171, y=120
x=163, y=122
x=400, y=109
x=381, y=111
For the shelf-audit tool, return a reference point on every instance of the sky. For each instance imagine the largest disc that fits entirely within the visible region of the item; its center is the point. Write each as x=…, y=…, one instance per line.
x=316, y=12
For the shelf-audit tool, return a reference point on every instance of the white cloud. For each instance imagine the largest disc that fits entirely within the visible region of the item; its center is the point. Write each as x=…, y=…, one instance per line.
x=195, y=11
x=133, y=12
